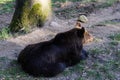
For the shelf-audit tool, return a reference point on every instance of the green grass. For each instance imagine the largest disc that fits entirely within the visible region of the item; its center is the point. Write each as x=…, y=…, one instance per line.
x=65, y=0
x=97, y=51
x=104, y=69
x=4, y=33
x=115, y=37
x=115, y=21
x=4, y=1
x=111, y=22
x=13, y=71
x=106, y=3
x=6, y=6
x=113, y=43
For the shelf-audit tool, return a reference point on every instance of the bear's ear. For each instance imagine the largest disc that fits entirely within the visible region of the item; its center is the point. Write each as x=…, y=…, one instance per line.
x=80, y=32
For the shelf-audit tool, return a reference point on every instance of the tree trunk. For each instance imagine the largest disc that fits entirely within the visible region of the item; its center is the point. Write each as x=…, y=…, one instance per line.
x=30, y=13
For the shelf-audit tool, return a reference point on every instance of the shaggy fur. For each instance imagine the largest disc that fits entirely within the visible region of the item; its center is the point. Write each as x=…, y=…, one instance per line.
x=50, y=58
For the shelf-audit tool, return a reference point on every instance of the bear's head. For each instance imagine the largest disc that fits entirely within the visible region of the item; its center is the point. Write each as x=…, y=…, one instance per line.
x=87, y=36
x=83, y=35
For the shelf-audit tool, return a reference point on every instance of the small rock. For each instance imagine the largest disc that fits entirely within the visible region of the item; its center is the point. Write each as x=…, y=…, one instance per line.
x=55, y=24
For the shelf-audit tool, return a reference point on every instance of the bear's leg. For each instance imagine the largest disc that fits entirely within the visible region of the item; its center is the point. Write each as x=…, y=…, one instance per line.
x=76, y=59
x=54, y=69
x=84, y=54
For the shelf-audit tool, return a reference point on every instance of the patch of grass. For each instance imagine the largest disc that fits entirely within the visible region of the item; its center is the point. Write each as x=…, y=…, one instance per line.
x=13, y=71
x=101, y=71
x=115, y=37
x=105, y=69
x=99, y=68
x=80, y=78
x=5, y=33
x=87, y=1
x=6, y=6
x=106, y=3
x=114, y=65
x=4, y=1
x=65, y=0
x=113, y=22
x=67, y=72
x=79, y=68
x=118, y=55
x=113, y=43
x=96, y=51
x=96, y=73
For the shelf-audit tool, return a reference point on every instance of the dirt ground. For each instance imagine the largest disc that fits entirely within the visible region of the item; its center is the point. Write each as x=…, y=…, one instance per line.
x=11, y=47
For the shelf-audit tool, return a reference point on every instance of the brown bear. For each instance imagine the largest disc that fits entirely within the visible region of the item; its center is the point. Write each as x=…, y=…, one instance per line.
x=50, y=58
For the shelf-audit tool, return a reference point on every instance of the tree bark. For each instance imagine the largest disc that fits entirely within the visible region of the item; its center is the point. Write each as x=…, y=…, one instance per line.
x=29, y=14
